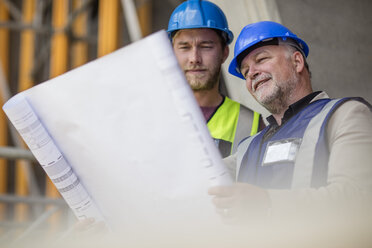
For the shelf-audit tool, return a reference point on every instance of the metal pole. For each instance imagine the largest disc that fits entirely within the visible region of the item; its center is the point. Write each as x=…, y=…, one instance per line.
x=16, y=153
x=14, y=11
x=130, y=14
x=5, y=94
x=32, y=200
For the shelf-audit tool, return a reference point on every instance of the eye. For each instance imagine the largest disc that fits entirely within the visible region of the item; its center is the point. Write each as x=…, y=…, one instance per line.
x=261, y=59
x=207, y=46
x=183, y=47
x=245, y=72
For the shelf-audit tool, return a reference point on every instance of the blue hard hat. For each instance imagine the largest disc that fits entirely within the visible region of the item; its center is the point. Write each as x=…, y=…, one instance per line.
x=199, y=14
x=257, y=32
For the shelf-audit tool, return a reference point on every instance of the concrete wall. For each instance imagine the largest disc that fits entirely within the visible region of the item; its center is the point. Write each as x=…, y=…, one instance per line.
x=339, y=34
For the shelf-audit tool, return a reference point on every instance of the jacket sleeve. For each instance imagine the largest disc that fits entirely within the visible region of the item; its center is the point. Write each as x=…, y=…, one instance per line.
x=349, y=134
x=230, y=163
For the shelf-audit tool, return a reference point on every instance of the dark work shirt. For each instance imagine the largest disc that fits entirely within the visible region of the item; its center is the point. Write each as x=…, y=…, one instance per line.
x=292, y=110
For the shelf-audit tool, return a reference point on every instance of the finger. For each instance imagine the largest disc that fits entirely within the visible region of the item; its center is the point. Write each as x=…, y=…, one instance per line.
x=225, y=212
x=228, y=216
x=223, y=202
x=222, y=191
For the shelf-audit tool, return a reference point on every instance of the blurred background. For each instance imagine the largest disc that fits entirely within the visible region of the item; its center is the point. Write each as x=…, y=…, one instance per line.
x=41, y=39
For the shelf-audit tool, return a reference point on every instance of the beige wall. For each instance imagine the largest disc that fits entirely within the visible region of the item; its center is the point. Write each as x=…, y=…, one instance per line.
x=338, y=32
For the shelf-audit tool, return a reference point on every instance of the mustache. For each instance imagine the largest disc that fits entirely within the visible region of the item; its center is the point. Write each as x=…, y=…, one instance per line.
x=259, y=78
x=195, y=68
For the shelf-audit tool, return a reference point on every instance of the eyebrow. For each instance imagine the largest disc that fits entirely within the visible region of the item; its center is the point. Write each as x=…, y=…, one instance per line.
x=254, y=56
x=200, y=43
x=208, y=41
x=182, y=43
x=242, y=67
x=260, y=52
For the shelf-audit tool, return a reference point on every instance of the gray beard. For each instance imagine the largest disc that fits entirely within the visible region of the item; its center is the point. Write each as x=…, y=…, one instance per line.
x=278, y=102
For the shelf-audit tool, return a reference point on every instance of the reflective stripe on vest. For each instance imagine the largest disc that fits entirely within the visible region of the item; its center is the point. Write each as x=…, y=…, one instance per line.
x=230, y=124
x=303, y=167
x=311, y=164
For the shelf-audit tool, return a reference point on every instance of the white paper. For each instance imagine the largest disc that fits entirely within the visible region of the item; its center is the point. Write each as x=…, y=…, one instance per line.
x=130, y=128
x=50, y=158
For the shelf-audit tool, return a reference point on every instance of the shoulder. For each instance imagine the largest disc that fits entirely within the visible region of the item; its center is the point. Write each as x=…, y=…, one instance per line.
x=353, y=107
x=346, y=107
x=353, y=115
x=321, y=95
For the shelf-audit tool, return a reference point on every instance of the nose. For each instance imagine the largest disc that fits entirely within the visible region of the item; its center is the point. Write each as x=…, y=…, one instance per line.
x=195, y=56
x=252, y=73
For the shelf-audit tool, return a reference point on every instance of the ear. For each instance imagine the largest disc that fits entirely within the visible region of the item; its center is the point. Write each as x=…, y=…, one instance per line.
x=298, y=61
x=225, y=53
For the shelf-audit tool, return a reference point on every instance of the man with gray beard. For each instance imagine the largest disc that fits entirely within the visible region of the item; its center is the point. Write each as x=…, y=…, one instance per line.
x=314, y=157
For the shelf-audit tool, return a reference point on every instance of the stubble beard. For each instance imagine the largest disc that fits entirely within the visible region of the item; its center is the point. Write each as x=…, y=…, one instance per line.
x=276, y=101
x=204, y=83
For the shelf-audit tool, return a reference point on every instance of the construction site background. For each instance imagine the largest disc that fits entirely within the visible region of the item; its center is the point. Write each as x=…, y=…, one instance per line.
x=41, y=39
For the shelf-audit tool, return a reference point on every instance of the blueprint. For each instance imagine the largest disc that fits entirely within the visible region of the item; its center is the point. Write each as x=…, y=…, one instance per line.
x=126, y=137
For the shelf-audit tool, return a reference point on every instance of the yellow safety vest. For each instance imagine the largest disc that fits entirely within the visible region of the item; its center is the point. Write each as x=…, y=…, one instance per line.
x=230, y=124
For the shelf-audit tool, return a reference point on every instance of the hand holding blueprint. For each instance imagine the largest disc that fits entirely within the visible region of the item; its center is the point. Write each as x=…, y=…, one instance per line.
x=123, y=138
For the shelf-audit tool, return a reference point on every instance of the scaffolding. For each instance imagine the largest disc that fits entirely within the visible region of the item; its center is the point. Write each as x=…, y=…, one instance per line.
x=39, y=40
